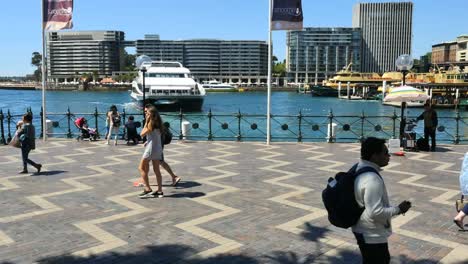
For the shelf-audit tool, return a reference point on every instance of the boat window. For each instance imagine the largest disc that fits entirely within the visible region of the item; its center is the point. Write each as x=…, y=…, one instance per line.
x=166, y=75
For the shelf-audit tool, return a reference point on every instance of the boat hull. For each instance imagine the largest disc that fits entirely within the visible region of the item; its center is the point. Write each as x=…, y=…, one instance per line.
x=172, y=104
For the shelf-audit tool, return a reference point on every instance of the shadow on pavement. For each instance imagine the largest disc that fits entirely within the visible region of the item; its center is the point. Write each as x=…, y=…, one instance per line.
x=163, y=254
x=48, y=173
x=185, y=195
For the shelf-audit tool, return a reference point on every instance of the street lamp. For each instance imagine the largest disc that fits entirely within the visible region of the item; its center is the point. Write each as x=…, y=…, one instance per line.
x=140, y=63
x=404, y=63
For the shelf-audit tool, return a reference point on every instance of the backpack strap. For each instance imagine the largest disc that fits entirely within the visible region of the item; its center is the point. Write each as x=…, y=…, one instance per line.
x=367, y=169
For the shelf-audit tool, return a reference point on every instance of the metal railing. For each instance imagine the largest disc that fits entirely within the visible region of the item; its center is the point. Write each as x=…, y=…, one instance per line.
x=251, y=127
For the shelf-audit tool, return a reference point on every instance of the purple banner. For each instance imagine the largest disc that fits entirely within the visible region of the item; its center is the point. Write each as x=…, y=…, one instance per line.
x=57, y=14
x=286, y=14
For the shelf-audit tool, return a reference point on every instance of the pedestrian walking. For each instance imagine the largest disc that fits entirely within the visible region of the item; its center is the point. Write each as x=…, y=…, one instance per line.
x=458, y=220
x=430, y=124
x=175, y=179
x=153, y=152
x=113, y=123
x=27, y=137
x=374, y=225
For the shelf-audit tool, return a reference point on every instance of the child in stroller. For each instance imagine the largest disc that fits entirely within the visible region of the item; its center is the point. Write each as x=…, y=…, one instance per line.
x=86, y=132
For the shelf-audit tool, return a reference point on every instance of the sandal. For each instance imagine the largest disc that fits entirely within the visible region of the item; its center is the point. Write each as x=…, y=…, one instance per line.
x=459, y=224
x=174, y=184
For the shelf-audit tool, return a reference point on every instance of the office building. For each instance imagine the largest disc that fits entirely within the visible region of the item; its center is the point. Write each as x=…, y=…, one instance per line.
x=451, y=53
x=232, y=61
x=71, y=54
x=315, y=54
x=386, y=33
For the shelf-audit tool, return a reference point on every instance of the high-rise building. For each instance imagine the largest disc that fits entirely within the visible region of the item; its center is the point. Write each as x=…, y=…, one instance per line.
x=386, y=33
x=73, y=53
x=315, y=54
x=225, y=60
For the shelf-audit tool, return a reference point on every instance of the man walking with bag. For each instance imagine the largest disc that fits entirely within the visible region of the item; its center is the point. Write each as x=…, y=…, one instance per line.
x=374, y=226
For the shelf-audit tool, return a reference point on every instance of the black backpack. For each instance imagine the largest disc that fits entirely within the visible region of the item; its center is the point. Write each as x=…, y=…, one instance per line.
x=116, y=121
x=166, y=137
x=422, y=144
x=338, y=198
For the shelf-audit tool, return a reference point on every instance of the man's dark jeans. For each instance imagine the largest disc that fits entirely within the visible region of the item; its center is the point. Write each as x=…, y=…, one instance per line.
x=24, y=154
x=373, y=253
x=430, y=132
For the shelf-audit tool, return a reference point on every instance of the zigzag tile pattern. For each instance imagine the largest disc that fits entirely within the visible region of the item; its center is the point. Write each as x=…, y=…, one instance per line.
x=192, y=226
x=254, y=203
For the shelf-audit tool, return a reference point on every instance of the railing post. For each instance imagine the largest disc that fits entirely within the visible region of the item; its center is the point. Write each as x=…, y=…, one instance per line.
x=394, y=118
x=123, y=122
x=210, y=135
x=181, y=115
x=69, y=134
x=96, y=115
x=299, y=134
x=239, y=116
x=42, y=124
x=457, y=132
x=9, y=126
x=330, y=126
x=363, y=117
x=2, y=138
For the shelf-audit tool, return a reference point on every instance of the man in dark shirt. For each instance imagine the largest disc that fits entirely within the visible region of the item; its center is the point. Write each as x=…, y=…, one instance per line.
x=132, y=133
x=430, y=124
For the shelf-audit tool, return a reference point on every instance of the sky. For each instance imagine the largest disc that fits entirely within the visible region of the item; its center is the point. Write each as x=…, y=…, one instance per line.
x=434, y=21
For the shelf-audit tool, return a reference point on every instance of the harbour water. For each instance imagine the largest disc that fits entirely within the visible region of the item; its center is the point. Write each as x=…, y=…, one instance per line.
x=286, y=104
x=282, y=103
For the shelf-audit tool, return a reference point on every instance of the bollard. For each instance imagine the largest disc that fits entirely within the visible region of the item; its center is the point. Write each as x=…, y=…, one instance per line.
x=185, y=130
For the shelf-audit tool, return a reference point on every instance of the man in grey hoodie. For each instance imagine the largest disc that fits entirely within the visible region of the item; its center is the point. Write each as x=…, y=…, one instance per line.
x=374, y=226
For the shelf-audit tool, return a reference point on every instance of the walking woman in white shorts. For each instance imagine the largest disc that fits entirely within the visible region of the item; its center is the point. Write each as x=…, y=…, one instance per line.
x=153, y=152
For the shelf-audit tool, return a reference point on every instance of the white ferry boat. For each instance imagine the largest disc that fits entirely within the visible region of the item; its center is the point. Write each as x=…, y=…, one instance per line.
x=215, y=86
x=169, y=86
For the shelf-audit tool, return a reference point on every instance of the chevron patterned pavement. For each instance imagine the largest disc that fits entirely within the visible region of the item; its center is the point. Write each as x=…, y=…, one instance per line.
x=237, y=203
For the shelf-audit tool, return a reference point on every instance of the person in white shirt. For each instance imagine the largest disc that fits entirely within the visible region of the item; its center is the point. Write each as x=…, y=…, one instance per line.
x=374, y=226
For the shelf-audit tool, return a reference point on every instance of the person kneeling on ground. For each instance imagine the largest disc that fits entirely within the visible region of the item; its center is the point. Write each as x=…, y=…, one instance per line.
x=132, y=134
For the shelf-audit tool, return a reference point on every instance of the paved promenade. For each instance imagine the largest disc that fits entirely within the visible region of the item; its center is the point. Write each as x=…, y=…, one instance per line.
x=236, y=203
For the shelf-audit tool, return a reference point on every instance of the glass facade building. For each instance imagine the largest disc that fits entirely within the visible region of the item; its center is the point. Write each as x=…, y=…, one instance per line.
x=386, y=33
x=224, y=60
x=73, y=53
x=315, y=54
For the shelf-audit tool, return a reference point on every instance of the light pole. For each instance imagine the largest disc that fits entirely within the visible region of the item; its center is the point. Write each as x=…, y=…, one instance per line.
x=140, y=63
x=404, y=63
x=143, y=73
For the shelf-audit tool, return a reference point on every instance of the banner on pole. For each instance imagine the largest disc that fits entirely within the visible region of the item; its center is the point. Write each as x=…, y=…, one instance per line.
x=57, y=14
x=286, y=15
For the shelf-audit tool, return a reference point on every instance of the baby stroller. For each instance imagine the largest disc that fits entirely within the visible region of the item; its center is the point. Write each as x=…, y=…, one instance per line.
x=409, y=137
x=85, y=132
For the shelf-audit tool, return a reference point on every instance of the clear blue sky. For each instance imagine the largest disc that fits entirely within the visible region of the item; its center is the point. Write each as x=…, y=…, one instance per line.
x=434, y=21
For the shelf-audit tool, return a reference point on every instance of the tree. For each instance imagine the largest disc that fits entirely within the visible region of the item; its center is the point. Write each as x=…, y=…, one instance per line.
x=36, y=60
x=279, y=68
x=129, y=61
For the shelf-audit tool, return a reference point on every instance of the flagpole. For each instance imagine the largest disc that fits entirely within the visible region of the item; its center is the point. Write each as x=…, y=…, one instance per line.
x=269, y=74
x=44, y=77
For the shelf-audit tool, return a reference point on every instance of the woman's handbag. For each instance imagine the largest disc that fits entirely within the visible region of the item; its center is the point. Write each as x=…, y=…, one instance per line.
x=460, y=203
x=15, y=142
